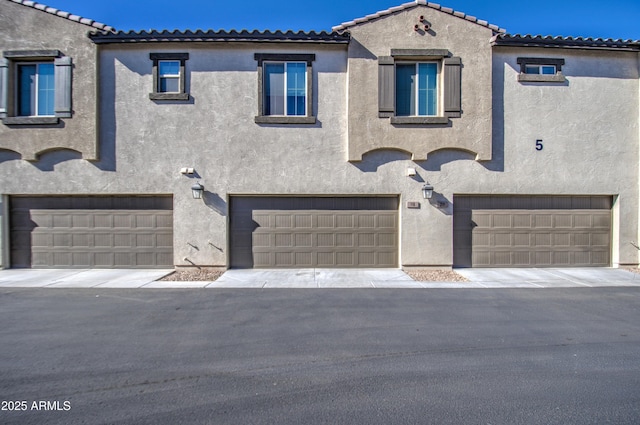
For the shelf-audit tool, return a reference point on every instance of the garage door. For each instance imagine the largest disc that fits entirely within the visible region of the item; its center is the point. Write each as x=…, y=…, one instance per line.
x=532, y=231
x=288, y=232
x=91, y=231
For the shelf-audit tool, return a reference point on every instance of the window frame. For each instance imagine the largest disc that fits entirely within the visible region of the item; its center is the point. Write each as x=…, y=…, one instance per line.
x=285, y=58
x=35, y=92
x=168, y=76
x=449, y=101
x=416, y=94
x=285, y=88
x=181, y=94
x=540, y=63
x=10, y=61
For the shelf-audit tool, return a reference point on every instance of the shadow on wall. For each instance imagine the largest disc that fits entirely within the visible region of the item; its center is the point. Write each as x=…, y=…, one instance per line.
x=371, y=161
x=7, y=155
x=215, y=202
x=48, y=160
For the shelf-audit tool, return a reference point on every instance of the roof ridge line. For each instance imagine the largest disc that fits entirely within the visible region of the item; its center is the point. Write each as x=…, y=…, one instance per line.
x=65, y=15
x=343, y=26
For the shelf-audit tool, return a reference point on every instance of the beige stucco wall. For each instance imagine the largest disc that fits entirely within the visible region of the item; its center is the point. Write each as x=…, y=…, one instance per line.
x=25, y=28
x=589, y=127
x=589, y=130
x=215, y=133
x=464, y=39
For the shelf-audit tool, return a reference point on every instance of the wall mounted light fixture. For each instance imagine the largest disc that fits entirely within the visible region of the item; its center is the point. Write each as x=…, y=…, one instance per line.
x=427, y=191
x=196, y=190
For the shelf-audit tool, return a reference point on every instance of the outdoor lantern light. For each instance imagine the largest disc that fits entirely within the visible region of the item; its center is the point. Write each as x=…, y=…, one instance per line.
x=196, y=190
x=427, y=191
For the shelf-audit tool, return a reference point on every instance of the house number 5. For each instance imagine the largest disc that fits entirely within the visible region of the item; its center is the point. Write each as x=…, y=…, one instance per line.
x=539, y=145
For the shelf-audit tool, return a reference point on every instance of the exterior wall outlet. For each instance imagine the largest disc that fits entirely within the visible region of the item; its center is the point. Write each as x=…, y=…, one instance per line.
x=186, y=170
x=411, y=172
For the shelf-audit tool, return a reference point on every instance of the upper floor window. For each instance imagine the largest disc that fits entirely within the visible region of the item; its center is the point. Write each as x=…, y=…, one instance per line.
x=541, y=70
x=417, y=89
x=169, y=76
x=419, y=86
x=35, y=87
x=284, y=88
x=169, y=80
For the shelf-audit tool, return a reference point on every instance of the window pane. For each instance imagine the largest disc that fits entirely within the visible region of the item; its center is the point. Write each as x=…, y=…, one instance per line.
x=427, y=88
x=26, y=90
x=405, y=89
x=46, y=89
x=548, y=70
x=169, y=68
x=296, y=88
x=274, y=89
x=532, y=69
x=169, y=85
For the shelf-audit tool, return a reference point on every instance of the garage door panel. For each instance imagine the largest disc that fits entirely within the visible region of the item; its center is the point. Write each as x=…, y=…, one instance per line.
x=107, y=237
x=530, y=237
x=330, y=232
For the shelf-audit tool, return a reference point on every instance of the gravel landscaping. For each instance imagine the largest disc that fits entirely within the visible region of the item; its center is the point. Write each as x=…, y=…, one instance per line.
x=193, y=275
x=436, y=276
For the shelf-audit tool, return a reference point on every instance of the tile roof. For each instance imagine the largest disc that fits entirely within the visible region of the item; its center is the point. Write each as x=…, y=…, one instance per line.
x=62, y=14
x=413, y=4
x=102, y=37
x=528, y=40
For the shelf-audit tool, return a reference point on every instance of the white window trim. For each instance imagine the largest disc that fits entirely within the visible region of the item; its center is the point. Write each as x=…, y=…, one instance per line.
x=284, y=97
x=439, y=83
x=540, y=69
x=36, y=88
x=168, y=76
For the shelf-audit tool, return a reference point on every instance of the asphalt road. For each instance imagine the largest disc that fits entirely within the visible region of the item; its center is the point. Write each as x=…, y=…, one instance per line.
x=336, y=356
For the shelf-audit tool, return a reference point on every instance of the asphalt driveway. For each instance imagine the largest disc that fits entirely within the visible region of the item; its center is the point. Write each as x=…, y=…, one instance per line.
x=315, y=357
x=320, y=278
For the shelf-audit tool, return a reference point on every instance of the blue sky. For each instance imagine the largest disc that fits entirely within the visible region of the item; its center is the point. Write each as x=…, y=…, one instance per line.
x=587, y=18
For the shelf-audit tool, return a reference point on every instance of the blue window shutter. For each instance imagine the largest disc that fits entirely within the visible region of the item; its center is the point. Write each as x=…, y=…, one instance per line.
x=63, y=68
x=4, y=86
x=452, y=87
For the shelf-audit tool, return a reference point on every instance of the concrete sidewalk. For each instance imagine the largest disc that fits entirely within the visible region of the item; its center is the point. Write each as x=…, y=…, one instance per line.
x=319, y=278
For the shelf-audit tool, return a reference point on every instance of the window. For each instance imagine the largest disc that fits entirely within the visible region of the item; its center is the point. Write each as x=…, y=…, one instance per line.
x=35, y=87
x=541, y=70
x=285, y=90
x=419, y=86
x=169, y=76
x=417, y=89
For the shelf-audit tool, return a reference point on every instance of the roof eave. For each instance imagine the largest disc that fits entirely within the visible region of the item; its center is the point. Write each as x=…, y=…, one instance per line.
x=508, y=40
x=65, y=15
x=210, y=36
